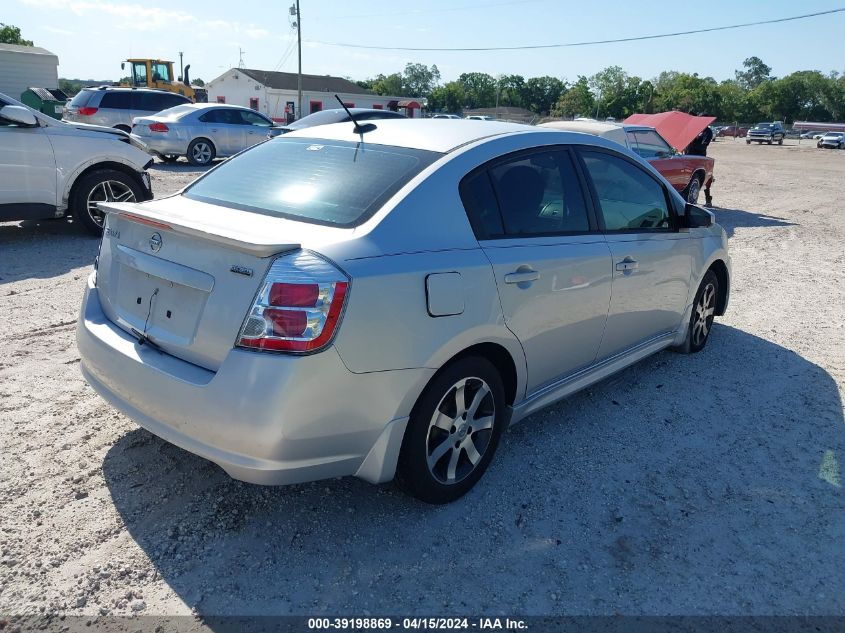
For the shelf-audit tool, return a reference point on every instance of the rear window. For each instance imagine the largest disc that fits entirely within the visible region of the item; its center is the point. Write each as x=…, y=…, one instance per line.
x=334, y=183
x=82, y=98
x=177, y=111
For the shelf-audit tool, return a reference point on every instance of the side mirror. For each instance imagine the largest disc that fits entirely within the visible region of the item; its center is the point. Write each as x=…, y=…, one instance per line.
x=19, y=115
x=696, y=217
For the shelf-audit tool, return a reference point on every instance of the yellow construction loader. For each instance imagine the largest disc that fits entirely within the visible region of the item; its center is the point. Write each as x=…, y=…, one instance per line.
x=158, y=74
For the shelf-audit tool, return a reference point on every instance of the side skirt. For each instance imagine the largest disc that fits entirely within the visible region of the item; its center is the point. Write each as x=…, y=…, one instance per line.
x=575, y=382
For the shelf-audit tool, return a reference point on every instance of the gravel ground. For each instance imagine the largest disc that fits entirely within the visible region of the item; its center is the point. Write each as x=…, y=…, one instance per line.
x=706, y=484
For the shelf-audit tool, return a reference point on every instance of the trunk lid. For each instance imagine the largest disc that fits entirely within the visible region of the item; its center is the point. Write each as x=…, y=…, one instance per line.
x=185, y=273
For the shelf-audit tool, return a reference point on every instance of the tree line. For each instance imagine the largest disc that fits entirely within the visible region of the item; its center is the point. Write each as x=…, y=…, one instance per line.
x=752, y=95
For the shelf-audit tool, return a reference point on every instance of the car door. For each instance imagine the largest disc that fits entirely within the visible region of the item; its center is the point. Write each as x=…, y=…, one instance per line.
x=27, y=169
x=224, y=128
x=652, y=259
x=674, y=167
x=256, y=127
x=552, y=266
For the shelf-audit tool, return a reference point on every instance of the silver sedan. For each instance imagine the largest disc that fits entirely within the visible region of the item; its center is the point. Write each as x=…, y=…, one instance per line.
x=385, y=303
x=201, y=131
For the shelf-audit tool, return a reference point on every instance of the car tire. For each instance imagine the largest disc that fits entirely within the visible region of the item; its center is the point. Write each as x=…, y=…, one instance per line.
x=693, y=190
x=123, y=128
x=440, y=442
x=102, y=185
x=747, y=142
x=703, y=312
x=169, y=158
x=780, y=141
x=201, y=152
x=769, y=142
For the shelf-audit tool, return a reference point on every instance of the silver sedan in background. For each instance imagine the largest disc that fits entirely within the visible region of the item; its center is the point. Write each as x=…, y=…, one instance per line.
x=201, y=131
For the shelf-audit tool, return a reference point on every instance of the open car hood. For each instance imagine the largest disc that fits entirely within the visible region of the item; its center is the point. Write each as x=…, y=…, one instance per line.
x=678, y=128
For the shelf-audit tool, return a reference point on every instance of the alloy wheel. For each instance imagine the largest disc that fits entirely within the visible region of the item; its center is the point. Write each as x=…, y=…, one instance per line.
x=201, y=153
x=693, y=191
x=704, y=311
x=460, y=430
x=107, y=191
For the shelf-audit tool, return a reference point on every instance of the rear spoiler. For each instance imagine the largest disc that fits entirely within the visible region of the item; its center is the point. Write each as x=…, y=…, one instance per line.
x=227, y=236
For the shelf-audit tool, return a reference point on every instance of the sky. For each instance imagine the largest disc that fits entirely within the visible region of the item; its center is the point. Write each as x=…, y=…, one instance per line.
x=92, y=37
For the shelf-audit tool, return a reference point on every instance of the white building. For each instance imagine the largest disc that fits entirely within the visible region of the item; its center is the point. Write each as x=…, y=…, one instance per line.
x=25, y=66
x=275, y=93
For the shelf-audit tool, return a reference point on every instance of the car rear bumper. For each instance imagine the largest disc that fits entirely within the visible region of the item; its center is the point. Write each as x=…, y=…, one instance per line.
x=162, y=145
x=263, y=418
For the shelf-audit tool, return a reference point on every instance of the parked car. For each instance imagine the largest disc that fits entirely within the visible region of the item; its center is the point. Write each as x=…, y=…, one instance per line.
x=688, y=174
x=811, y=134
x=49, y=168
x=201, y=131
x=766, y=133
x=116, y=107
x=336, y=115
x=331, y=303
x=832, y=140
x=445, y=116
x=733, y=131
x=480, y=117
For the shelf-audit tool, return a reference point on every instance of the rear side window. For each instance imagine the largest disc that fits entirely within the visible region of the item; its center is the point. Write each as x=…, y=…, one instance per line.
x=334, y=183
x=117, y=100
x=82, y=98
x=481, y=206
x=629, y=198
x=540, y=194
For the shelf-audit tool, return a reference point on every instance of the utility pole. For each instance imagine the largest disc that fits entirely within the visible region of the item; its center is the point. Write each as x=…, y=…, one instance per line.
x=241, y=57
x=294, y=10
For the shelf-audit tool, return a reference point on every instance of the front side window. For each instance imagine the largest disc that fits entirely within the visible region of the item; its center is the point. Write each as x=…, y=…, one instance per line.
x=649, y=144
x=540, y=194
x=334, y=183
x=629, y=198
x=139, y=73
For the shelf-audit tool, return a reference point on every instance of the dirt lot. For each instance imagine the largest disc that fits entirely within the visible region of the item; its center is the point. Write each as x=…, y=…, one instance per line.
x=685, y=485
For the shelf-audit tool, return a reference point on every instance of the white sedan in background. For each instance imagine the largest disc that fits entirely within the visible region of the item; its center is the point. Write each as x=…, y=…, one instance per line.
x=201, y=131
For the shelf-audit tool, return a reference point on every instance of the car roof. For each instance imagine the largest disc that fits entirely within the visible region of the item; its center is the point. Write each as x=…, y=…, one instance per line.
x=435, y=135
x=127, y=89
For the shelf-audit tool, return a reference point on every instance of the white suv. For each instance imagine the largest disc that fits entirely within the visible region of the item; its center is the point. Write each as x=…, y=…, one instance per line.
x=49, y=168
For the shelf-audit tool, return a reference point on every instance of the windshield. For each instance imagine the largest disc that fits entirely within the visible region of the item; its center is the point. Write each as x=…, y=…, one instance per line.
x=335, y=183
x=765, y=126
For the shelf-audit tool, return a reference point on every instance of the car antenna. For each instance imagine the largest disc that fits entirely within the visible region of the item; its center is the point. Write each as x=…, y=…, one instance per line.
x=360, y=129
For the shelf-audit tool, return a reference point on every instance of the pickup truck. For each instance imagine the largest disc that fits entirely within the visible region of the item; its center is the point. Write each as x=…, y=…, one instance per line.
x=687, y=173
x=766, y=133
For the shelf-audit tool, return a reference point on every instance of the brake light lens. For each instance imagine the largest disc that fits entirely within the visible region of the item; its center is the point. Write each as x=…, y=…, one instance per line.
x=158, y=127
x=299, y=306
x=87, y=111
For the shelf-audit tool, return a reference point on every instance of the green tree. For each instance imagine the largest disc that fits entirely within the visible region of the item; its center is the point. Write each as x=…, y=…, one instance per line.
x=618, y=94
x=577, y=101
x=392, y=85
x=479, y=90
x=448, y=98
x=687, y=92
x=511, y=91
x=12, y=35
x=755, y=73
x=542, y=93
x=197, y=81
x=419, y=80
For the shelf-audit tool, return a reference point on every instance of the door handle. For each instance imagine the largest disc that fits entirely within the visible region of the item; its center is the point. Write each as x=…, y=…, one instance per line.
x=627, y=265
x=522, y=275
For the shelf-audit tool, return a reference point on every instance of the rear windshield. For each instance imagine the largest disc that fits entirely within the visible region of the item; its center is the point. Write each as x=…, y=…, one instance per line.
x=335, y=183
x=177, y=111
x=82, y=98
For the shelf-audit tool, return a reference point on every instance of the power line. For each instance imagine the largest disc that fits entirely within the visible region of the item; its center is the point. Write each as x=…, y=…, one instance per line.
x=590, y=43
x=468, y=7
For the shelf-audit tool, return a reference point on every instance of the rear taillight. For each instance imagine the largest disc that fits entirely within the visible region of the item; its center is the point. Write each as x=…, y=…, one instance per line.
x=299, y=305
x=87, y=111
x=158, y=127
